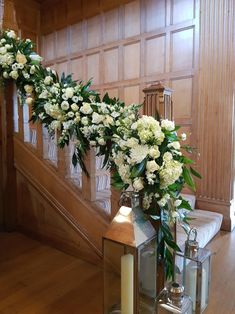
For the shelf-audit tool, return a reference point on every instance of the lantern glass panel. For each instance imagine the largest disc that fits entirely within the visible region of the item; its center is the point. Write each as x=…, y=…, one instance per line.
x=194, y=274
x=165, y=305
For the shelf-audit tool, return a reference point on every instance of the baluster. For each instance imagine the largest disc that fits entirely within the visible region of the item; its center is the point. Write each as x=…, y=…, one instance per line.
x=89, y=182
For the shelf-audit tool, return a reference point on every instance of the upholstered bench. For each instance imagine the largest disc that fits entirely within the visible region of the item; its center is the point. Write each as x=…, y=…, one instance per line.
x=207, y=224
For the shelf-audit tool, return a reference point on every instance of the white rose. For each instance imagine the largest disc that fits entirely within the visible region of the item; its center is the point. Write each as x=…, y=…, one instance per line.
x=69, y=92
x=70, y=114
x=80, y=98
x=20, y=58
x=29, y=101
x=167, y=156
x=2, y=41
x=93, y=143
x=96, y=118
x=138, y=184
x=168, y=125
x=74, y=107
x=86, y=108
x=154, y=152
x=28, y=89
x=183, y=137
x=5, y=75
x=48, y=80
x=8, y=46
x=152, y=166
x=64, y=105
x=75, y=98
x=134, y=126
x=14, y=75
x=177, y=203
x=108, y=121
x=11, y=34
x=101, y=141
x=84, y=121
x=175, y=145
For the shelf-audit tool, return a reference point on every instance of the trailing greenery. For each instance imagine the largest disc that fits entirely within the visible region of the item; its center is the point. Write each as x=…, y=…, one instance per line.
x=144, y=153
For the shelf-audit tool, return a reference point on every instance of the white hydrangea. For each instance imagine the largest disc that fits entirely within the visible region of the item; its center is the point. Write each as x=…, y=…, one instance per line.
x=132, y=142
x=69, y=92
x=154, y=152
x=11, y=34
x=14, y=74
x=97, y=118
x=171, y=172
x=168, y=125
x=152, y=166
x=138, y=153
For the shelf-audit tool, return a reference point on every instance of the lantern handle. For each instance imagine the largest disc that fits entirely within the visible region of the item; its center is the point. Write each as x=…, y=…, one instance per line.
x=191, y=231
x=124, y=198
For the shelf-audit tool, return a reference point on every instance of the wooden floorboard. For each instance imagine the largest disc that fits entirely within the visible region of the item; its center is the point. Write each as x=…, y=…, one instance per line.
x=37, y=279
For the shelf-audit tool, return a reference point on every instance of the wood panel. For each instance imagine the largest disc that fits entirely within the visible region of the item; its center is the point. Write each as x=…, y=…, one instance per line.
x=66, y=200
x=215, y=119
x=37, y=216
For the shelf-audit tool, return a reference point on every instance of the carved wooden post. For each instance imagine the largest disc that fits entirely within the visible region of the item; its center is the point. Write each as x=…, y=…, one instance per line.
x=158, y=101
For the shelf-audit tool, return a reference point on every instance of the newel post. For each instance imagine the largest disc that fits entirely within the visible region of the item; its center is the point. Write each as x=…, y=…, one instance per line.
x=7, y=169
x=157, y=100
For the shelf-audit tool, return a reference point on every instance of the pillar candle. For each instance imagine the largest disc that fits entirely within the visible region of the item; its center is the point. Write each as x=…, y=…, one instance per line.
x=127, y=284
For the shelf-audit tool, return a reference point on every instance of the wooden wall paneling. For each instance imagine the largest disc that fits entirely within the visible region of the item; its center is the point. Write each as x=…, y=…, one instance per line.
x=132, y=18
x=131, y=94
x=47, y=18
x=132, y=61
x=9, y=15
x=155, y=14
x=179, y=15
x=93, y=68
x=111, y=65
x=216, y=109
x=77, y=68
x=1, y=164
x=155, y=55
x=60, y=13
x=62, y=43
x=74, y=11
x=91, y=8
x=94, y=32
x=76, y=37
x=48, y=46
x=111, y=26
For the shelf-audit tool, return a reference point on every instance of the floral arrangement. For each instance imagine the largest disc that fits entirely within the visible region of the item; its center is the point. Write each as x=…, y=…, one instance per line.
x=144, y=154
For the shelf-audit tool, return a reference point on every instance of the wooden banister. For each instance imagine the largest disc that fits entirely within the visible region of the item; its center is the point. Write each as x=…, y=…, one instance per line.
x=89, y=182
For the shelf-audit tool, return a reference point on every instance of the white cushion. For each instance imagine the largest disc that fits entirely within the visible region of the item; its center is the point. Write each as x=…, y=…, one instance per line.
x=207, y=224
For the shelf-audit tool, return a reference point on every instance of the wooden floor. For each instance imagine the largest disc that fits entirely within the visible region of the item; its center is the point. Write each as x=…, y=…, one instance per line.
x=36, y=279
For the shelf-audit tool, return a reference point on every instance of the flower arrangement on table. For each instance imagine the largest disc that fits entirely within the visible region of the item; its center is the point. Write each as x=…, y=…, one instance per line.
x=143, y=153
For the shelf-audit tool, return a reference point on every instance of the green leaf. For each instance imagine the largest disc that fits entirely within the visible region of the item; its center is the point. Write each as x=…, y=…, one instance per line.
x=195, y=173
x=188, y=179
x=185, y=204
x=138, y=169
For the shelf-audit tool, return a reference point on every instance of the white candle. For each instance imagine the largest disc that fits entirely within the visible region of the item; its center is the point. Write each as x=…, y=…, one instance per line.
x=191, y=283
x=127, y=284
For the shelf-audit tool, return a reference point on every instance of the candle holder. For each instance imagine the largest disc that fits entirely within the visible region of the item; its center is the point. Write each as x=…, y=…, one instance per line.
x=193, y=269
x=173, y=300
x=130, y=262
